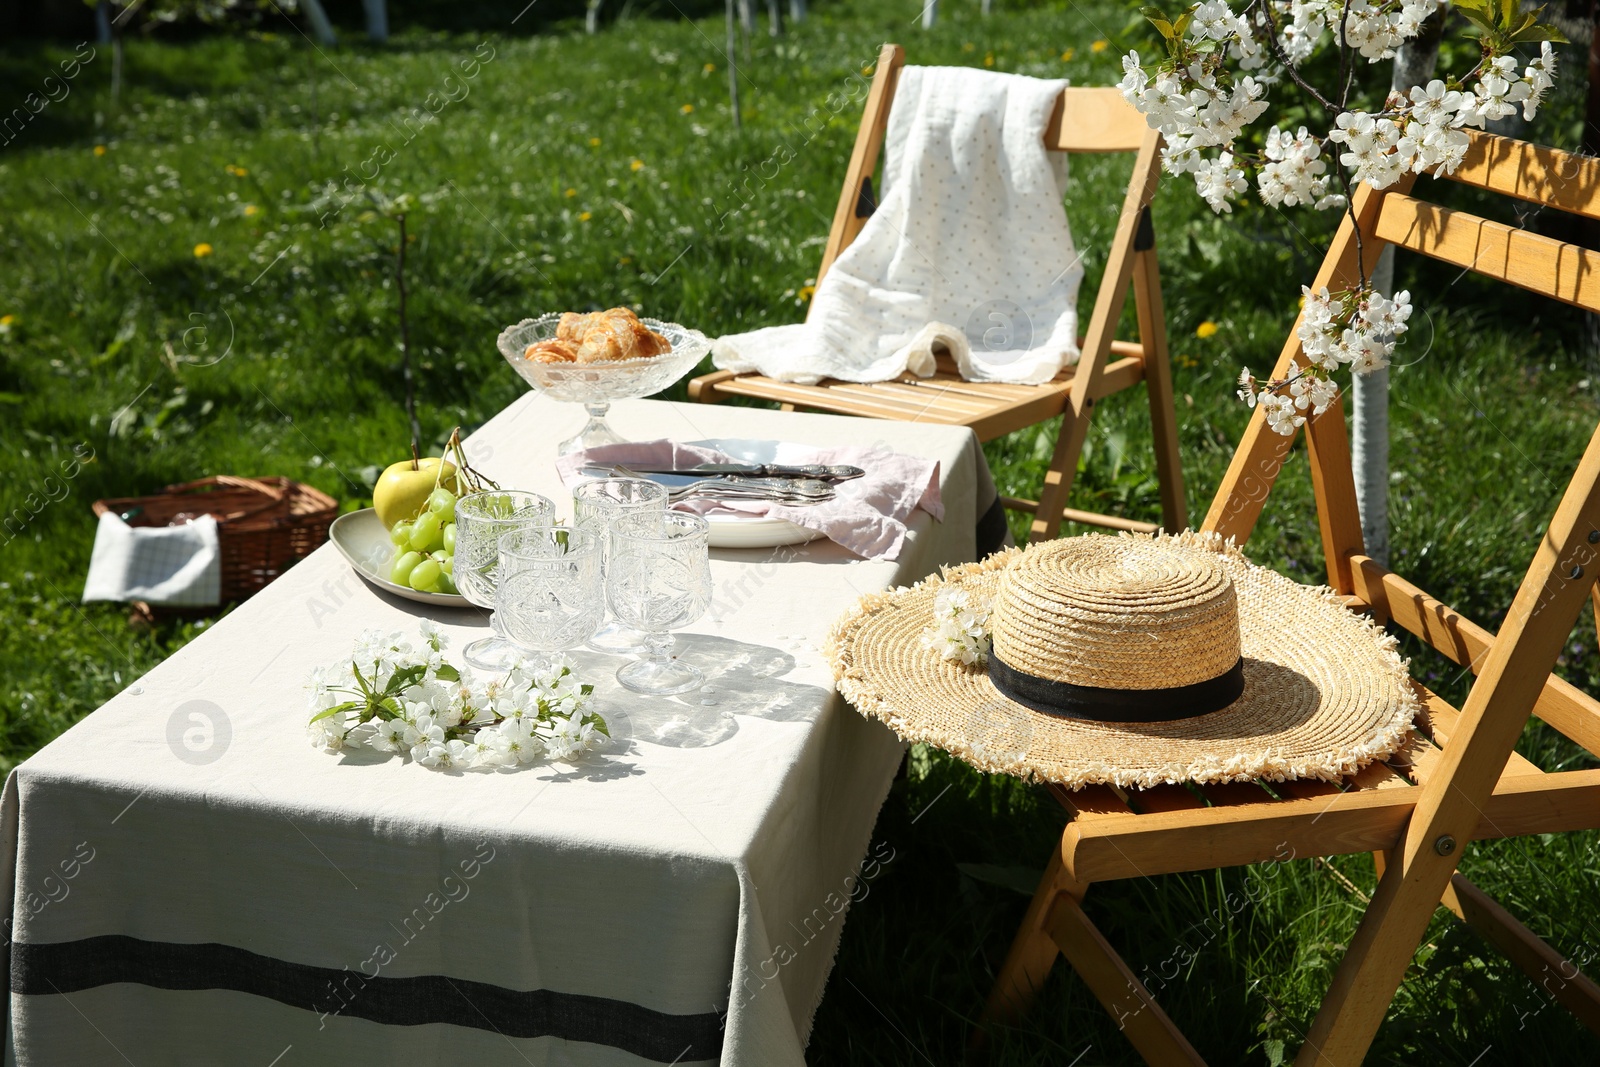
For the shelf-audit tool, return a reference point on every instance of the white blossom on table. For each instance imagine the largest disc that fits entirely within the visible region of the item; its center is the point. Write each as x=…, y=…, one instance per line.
x=402, y=699
x=1214, y=82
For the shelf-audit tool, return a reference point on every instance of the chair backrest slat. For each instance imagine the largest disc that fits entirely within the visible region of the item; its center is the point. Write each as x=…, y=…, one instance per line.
x=1562, y=271
x=1095, y=120
x=848, y=220
x=1535, y=173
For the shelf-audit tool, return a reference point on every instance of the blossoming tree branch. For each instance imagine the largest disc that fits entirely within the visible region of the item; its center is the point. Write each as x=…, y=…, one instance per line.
x=1214, y=82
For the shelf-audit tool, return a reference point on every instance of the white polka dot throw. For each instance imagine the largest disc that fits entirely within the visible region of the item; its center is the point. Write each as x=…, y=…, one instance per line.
x=969, y=250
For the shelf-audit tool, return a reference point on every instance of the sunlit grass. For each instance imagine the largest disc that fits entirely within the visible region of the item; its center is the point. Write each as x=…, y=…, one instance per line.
x=564, y=172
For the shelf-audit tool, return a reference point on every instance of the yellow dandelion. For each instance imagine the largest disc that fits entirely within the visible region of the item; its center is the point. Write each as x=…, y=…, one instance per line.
x=1100, y=46
x=637, y=164
x=687, y=109
x=251, y=211
x=202, y=250
x=1066, y=57
x=570, y=193
x=237, y=172
x=584, y=216
x=968, y=46
x=806, y=292
x=866, y=71
x=1206, y=329
x=709, y=68
x=99, y=149
x=988, y=59
x=624, y=261
x=594, y=142
x=7, y=320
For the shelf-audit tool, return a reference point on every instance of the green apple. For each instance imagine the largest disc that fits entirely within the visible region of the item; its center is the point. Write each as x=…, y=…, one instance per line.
x=403, y=488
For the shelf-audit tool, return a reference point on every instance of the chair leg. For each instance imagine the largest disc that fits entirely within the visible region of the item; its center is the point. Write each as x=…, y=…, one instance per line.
x=1373, y=965
x=1118, y=989
x=1055, y=924
x=1033, y=952
x=1558, y=976
x=1158, y=386
x=1062, y=470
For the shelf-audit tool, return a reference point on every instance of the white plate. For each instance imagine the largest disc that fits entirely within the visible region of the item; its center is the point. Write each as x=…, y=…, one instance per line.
x=752, y=531
x=360, y=536
x=756, y=531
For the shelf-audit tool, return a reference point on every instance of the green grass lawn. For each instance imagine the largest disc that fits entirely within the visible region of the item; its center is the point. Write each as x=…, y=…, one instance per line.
x=563, y=171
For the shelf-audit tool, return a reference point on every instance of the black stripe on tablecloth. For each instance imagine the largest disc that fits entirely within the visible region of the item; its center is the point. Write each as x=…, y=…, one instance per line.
x=70, y=966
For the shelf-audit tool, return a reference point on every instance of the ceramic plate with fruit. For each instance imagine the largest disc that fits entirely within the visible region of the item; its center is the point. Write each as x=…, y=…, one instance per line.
x=366, y=543
x=405, y=543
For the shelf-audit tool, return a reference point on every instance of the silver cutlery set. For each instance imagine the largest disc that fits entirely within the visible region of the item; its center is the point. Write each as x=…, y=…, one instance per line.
x=810, y=483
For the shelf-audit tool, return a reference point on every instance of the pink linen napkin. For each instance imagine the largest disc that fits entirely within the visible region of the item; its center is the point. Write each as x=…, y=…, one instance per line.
x=868, y=516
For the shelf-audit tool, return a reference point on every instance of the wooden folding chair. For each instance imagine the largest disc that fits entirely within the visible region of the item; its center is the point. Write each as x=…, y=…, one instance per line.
x=1458, y=778
x=1085, y=120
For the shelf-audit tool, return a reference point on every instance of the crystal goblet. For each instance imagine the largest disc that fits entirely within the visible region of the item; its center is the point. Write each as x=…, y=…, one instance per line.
x=481, y=520
x=659, y=580
x=551, y=595
x=597, y=505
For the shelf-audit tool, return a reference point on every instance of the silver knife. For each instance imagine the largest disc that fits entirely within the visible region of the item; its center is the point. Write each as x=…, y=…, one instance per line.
x=678, y=483
x=820, y=471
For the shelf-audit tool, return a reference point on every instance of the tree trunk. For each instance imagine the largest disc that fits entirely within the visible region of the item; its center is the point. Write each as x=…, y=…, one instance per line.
x=321, y=28
x=930, y=14
x=1369, y=436
x=775, y=17
x=733, y=68
x=102, y=22
x=797, y=10
x=116, y=67
x=405, y=339
x=1588, y=230
x=591, y=17
x=377, y=20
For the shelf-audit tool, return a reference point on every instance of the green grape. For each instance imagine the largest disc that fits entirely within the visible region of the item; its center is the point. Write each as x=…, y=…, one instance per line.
x=447, y=584
x=448, y=565
x=425, y=576
x=401, y=532
x=442, y=500
x=450, y=538
x=400, y=570
x=428, y=532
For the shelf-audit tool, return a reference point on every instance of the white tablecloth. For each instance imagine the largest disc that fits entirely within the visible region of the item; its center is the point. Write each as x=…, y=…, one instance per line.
x=195, y=884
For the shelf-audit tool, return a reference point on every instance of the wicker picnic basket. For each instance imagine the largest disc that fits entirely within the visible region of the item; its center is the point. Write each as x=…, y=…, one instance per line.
x=264, y=525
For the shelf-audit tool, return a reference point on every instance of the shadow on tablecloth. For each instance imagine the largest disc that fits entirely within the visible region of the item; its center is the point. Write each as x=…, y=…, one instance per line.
x=741, y=679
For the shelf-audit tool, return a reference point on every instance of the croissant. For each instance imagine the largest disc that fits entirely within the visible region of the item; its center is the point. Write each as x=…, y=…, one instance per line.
x=617, y=334
x=554, y=350
x=572, y=326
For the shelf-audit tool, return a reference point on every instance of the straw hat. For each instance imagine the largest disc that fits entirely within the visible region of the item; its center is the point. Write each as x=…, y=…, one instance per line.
x=1132, y=661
